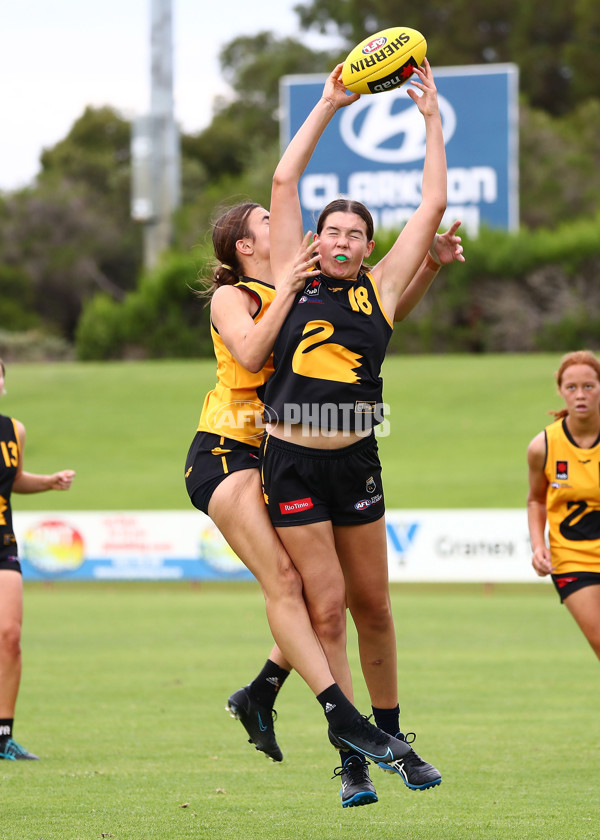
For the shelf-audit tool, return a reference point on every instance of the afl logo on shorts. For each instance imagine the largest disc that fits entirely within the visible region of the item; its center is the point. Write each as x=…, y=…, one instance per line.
x=562, y=470
x=363, y=504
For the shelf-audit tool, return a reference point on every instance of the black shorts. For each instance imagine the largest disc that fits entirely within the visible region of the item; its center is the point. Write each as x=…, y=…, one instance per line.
x=11, y=562
x=304, y=485
x=210, y=460
x=572, y=581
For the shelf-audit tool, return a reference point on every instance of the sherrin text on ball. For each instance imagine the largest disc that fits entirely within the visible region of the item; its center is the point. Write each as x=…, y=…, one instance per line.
x=384, y=61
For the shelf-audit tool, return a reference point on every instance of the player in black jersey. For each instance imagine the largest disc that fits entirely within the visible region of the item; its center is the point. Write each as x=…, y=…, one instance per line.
x=14, y=479
x=321, y=471
x=253, y=704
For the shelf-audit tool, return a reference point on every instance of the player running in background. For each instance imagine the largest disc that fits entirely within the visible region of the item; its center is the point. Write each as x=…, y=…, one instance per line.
x=564, y=493
x=14, y=479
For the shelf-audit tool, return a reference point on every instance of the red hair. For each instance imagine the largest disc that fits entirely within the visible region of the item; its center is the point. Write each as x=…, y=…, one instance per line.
x=577, y=357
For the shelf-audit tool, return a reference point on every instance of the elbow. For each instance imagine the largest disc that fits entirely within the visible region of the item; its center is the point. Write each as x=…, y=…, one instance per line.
x=441, y=205
x=252, y=363
x=281, y=179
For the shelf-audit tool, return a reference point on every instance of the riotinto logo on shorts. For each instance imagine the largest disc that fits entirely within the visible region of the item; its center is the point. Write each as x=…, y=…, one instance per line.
x=296, y=506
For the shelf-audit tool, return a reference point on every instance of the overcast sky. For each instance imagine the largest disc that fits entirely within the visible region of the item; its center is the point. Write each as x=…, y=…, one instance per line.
x=57, y=56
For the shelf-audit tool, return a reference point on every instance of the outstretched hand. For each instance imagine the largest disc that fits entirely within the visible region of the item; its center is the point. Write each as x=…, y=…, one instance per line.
x=427, y=101
x=335, y=91
x=446, y=247
x=301, y=268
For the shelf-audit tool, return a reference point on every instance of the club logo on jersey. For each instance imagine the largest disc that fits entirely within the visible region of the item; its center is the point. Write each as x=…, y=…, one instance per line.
x=370, y=485
x=562, y=470
x=296, y=506
x=364, y=406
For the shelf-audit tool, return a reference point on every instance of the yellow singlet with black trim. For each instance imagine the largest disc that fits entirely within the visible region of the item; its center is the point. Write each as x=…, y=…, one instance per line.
x=328, y=357
x=572, y=501
x=10, y=455
x=234, y=408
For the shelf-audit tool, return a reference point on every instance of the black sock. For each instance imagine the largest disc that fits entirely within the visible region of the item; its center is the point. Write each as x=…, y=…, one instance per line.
x=6, y=726
x=265, y=686
x=388, y=720
x=339, y=711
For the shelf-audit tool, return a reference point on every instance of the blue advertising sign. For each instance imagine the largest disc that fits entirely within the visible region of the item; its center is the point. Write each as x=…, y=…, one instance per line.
x=373, y=150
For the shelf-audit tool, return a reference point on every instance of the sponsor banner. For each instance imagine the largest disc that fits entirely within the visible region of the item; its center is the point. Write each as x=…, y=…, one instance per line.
x=148, y=545
x=443, y=545
x=488, y=546
x=373, y=151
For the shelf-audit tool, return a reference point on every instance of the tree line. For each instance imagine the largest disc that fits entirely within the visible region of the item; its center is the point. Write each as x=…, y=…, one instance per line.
x=71, y=272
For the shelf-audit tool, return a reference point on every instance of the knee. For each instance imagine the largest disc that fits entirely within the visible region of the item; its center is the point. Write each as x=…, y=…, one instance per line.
x=373, y=617
x=286, y=583
x=10, y=640
x=329, y=620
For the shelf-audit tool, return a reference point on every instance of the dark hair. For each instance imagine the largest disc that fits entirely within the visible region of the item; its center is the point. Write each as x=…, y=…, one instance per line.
x=227, y=229
x=577, y=357
x=2, y=366
x=346, y=205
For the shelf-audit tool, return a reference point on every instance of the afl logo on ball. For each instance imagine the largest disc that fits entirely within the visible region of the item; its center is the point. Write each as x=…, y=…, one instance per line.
x=374, y=45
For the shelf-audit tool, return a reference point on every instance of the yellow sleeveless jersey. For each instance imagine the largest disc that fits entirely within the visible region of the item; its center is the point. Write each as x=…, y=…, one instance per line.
x=572, y=501
x=234, y=408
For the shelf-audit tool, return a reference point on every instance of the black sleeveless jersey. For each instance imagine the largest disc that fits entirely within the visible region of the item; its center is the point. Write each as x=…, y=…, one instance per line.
x=9, y=462
x=328, y=357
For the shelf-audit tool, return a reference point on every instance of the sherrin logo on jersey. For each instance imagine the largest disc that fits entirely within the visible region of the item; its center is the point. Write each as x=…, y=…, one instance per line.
x=562, y=470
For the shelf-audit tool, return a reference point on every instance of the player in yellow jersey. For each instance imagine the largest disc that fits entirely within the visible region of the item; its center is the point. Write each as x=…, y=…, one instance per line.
x=564, y=493
x=14, y=479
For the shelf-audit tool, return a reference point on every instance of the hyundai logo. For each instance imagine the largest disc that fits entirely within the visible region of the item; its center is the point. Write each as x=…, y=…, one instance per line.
x=390, y=128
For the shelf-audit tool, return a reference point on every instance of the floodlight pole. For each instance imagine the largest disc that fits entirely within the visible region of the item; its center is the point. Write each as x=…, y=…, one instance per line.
x=155, y=143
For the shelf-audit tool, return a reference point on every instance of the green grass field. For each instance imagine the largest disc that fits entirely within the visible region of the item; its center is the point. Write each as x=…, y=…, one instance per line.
x=123, y=698
x=124, y=684
x=460, y=426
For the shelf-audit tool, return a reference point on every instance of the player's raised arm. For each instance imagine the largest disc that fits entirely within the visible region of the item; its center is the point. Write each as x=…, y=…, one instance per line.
x=286, y=214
